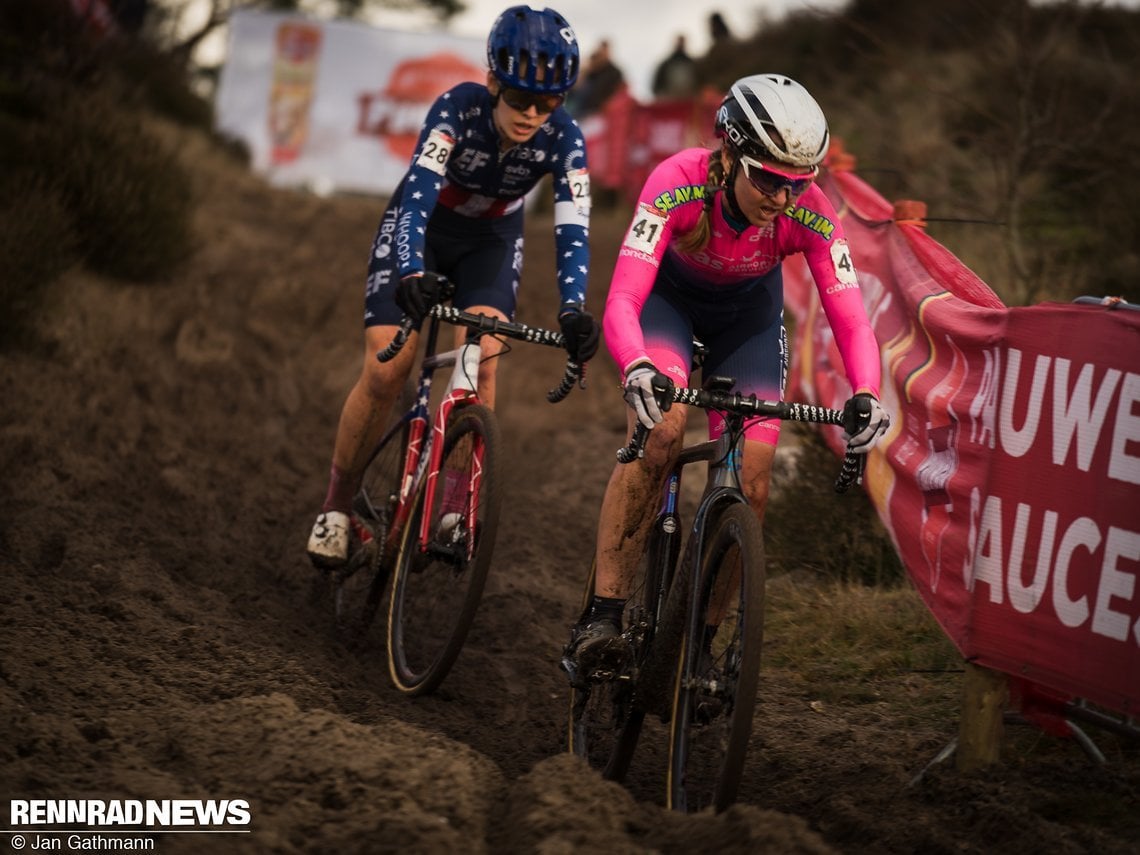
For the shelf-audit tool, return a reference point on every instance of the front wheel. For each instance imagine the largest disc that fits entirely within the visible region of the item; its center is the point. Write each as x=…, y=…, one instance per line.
x=438, y=584
x=719, y=667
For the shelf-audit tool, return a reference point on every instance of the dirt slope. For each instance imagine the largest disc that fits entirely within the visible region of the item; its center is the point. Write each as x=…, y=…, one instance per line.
x=159, y=639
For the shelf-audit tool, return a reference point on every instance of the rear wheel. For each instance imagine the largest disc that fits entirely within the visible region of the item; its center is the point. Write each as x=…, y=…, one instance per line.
x=719, y=667
x=358, y=587
x=438, y=584
x=605, y=720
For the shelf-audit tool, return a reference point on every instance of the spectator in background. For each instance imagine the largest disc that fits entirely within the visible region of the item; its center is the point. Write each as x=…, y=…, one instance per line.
x=676, y=76
x=718, y=29
x=599, y=81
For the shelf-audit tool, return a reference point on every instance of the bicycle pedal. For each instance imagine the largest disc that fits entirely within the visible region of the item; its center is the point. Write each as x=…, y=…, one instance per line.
x=608, y=657
x=583, y=678
x=362, y=557
x=708, y=709
x=567, y=664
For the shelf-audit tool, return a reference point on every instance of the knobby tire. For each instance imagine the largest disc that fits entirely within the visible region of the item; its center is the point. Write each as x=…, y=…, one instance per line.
x=605, y=717
x=715, y=695
x=358, y=588
x=435, y=595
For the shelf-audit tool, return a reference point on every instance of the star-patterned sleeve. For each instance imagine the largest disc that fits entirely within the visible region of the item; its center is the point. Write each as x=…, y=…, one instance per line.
x=424, y=180
x=572, y=216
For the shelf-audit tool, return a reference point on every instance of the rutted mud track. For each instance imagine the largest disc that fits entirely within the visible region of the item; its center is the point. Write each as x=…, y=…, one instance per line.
x=163, y=455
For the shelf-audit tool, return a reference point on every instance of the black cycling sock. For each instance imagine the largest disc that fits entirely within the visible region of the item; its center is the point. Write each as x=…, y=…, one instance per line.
x=607, y=607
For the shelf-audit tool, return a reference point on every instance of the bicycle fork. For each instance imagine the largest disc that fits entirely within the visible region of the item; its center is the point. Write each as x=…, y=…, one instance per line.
x=460, y=391
x=722, y=490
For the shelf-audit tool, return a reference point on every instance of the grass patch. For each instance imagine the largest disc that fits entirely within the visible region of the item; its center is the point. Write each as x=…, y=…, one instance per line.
x=854, y=645
x=808, y=526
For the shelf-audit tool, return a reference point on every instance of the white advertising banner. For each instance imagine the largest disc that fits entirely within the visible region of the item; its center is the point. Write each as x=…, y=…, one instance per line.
x=335, y=106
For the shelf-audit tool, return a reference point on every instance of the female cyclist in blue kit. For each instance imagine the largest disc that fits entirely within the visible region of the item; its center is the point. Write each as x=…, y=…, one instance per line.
x=458, y=212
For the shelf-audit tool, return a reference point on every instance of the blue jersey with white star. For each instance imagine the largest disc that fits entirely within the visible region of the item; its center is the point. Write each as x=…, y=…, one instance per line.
x=458, y=164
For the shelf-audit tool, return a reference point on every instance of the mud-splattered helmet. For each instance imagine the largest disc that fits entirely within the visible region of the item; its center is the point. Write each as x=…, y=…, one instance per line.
x=772, y=116
x=524, y=39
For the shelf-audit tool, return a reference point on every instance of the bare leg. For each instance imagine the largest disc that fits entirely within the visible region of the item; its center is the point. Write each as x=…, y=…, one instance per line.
x=757, y=474
x=491, y=347
x=369, y=402
x=361, y=422
x=630, y=505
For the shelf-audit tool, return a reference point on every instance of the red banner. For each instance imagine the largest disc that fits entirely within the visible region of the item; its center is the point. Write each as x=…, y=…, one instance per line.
x=1010, y=478
x=626, y=139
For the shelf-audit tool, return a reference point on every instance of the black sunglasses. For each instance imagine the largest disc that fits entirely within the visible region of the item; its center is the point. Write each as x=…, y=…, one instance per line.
x=543, y=102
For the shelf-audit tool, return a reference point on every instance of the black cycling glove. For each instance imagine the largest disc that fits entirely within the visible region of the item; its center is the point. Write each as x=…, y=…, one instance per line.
x=581, y=334
x=417, y=293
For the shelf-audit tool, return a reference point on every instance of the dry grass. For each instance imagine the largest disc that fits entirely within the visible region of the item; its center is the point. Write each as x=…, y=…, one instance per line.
x=854, y=645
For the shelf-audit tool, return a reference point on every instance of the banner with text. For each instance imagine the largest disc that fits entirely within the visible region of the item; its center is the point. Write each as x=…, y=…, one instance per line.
x=626, y=138
x=335, y=105
x=1010, y=478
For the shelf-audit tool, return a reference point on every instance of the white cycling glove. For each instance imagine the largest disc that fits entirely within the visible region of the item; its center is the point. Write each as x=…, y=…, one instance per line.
x=864, y=421
x=643, y=384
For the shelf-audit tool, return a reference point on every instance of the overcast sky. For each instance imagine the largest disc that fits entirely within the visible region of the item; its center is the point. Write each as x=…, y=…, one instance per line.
x=641, y=32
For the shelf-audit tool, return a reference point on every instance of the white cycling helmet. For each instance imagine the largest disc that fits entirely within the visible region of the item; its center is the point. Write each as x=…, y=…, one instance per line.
x=772, y=116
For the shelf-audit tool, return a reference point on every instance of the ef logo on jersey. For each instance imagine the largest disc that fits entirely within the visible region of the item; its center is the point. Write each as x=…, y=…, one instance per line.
x=470, y=159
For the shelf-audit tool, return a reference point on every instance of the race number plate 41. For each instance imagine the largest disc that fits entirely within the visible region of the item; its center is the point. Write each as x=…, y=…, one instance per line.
x=645, y=232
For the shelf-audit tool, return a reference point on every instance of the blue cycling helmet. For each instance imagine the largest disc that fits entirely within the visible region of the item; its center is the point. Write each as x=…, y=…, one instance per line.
x=524, y=39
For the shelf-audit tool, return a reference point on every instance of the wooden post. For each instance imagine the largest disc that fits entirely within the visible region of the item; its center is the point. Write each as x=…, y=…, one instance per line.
x=985, y=694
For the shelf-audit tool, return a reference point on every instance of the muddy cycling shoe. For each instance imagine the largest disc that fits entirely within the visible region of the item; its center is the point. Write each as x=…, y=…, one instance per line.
x=328, y=542
x=590, y=642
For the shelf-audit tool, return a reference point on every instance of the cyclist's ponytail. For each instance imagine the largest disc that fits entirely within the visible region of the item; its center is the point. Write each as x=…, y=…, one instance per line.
x=697, y=238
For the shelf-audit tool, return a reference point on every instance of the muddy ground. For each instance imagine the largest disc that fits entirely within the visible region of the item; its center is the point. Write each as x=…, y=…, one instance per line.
x=164, y=452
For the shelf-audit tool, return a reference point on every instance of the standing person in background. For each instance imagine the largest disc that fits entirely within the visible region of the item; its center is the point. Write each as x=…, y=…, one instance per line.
x=718, y=29
x=459, y=212
x=601, y=79
x=676, y=75
x=702, y=258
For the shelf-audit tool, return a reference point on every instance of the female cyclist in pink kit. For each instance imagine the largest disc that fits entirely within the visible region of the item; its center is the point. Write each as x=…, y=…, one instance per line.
x=702, y=258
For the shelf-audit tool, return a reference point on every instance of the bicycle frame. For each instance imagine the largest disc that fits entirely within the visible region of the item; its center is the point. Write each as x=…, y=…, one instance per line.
x=461, y=392
x=417, y=465
x=724, y=456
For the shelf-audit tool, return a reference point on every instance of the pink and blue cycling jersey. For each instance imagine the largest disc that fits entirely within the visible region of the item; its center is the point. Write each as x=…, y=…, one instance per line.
x=669, y=206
